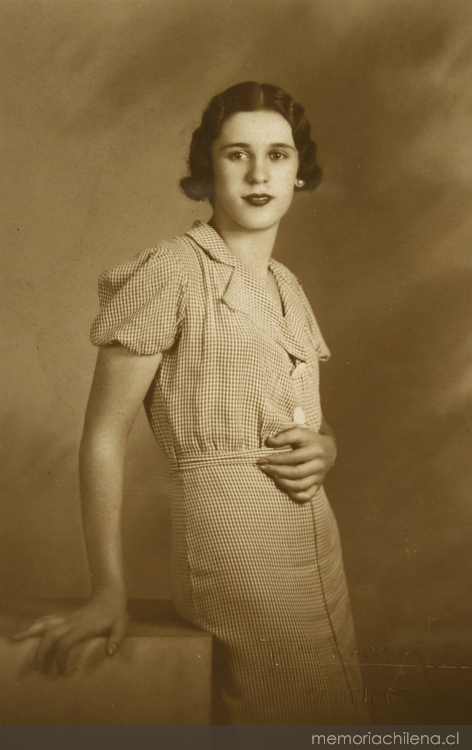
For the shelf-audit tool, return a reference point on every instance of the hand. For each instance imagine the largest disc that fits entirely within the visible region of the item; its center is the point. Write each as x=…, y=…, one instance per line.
x=301, y=471
x=103, y=615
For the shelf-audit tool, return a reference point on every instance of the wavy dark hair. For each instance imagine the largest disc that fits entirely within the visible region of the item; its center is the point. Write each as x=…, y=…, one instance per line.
x=249, y=96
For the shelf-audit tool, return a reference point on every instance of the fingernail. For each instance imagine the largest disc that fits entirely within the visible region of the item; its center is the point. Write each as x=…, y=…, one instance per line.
x=111, y=650
x=262, y=461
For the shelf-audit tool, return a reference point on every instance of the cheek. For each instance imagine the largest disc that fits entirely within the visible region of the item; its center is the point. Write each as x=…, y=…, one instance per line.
x=287, y=184
x=287, y=177
x=224, y=179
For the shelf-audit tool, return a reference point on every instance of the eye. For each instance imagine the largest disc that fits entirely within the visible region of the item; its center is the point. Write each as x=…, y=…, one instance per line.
x=237, y=155
x=278, y=155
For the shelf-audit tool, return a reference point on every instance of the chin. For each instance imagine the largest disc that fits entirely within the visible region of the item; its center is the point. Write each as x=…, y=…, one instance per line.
x=259, y=219
x=258, y=226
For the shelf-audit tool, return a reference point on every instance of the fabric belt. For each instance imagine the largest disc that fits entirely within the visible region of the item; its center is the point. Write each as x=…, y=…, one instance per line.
x=183, y=463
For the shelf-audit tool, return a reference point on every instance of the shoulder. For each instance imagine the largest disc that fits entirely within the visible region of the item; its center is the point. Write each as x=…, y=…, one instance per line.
x=167, y=262
x=143, y=301
x=164, y=253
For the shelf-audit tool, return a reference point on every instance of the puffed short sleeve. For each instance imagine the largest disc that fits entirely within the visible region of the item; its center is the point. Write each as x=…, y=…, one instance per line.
x=142, y=302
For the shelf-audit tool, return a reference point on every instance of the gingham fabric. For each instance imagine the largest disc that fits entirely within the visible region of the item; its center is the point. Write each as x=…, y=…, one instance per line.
x=262, y=573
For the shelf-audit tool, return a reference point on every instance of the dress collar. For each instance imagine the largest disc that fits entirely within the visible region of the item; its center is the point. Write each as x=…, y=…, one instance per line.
x=210, y=241
x=214, y=245
x=241, y=290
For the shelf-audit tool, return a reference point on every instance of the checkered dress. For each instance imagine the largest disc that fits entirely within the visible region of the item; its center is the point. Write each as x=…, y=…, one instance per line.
x=264, y=574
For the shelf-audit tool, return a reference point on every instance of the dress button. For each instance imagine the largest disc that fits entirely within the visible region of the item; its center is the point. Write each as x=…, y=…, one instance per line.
x=299, y=370
x=299, y=416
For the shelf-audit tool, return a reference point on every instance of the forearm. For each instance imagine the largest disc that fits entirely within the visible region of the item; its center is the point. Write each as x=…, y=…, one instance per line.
x=101, y=483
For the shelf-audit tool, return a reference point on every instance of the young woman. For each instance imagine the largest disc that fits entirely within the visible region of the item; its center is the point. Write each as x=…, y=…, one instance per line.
x=221, y=344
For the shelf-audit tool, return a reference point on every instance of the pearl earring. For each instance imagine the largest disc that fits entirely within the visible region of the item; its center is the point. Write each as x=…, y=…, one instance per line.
x=299, y=183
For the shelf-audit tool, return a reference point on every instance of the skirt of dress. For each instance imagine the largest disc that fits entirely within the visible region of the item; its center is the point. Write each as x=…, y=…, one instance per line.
x=264, y=575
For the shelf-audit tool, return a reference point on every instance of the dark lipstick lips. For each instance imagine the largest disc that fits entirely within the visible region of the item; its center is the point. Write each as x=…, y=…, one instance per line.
x=257, y=199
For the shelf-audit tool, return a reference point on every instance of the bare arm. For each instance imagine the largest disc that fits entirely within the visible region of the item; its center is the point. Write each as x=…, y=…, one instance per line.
x=120, y=384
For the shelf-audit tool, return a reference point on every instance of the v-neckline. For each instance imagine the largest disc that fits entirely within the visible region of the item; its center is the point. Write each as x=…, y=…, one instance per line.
x=281, y=307
x=242, y=290
x=224, y=254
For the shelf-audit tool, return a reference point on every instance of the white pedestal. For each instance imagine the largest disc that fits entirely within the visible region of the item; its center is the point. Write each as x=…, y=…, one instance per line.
x=160, y=675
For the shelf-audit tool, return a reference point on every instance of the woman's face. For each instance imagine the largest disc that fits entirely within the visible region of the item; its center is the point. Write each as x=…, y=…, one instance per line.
x=255, y=164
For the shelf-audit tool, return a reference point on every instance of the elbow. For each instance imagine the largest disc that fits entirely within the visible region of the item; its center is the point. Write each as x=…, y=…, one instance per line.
x=100, y=441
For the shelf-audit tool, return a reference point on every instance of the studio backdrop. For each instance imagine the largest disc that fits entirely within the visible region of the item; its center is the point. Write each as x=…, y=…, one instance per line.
x=99, y=101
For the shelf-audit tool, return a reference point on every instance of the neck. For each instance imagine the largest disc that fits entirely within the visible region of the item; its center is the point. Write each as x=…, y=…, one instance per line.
x=253, y=249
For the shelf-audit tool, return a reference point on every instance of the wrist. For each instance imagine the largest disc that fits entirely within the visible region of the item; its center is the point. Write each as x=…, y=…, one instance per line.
x=109, y=590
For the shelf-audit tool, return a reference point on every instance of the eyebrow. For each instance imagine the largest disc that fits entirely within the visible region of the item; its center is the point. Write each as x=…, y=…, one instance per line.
x=248, y=145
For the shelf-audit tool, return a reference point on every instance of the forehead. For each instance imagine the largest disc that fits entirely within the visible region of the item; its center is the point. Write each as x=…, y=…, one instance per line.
x=262, y=127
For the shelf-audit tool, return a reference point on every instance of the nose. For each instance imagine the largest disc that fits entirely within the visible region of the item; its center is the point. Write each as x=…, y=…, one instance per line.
x=257, y=171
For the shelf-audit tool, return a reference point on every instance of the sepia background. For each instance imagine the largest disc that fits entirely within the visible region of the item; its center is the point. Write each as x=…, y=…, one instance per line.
x=99, y=99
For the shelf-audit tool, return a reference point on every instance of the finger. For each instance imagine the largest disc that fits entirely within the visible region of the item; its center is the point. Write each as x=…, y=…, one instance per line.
x=299, y=471
x=118, y=632
x=294, y=435
x=66, y=643
x=303, y=496
x=38, y=627
x=299, y=485
x=300, y=493
x=44, y=652
x=293, y=457
x=78, y=635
